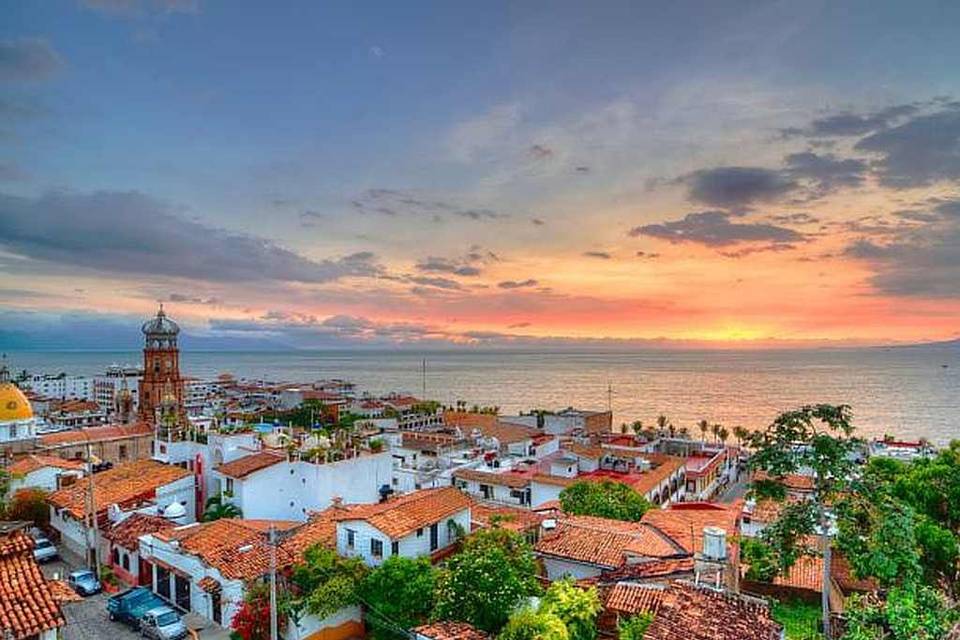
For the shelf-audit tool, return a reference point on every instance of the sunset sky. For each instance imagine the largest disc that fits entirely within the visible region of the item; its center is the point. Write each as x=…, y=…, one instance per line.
x=336, y=173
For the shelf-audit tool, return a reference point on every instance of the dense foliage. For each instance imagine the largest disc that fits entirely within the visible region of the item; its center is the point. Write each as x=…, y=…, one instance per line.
x=323, y=583
x=252, y=620
x=493, y=574
x=576, y=608
x=215, y=509
x=398, y=593
x=29, y=504
x=606, y=499
x=530, y=624
x=634, y=627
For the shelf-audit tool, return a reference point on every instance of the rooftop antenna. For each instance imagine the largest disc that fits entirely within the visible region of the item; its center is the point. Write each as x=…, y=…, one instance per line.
x=423, y=379
x=609, y=396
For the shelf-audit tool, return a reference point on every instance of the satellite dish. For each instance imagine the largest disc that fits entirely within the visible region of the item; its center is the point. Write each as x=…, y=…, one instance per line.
x=175, y=512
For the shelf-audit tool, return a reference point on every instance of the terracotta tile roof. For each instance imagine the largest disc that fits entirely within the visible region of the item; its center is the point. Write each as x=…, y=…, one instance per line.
x=121, y=485
x=75, y=406
x=321, y=528
x=27, y=602
x=845, y=577
x=127, y=533
x=238, y=549
x=466, y=420
x=806, y=573
x=688, y=612
x=629, y=599
x=209, y=584
x=505, y=479
x=95, y=434
x=243, y=467
x=33, y=461
x=584, y=450
x=793, y=481
x=603, y=542
x=62, y=593
x=451, y=631
x=766, y=511
x=684, y=523
x=504, y=432
x=512, y=518
x=648, y=570
x=407, y=513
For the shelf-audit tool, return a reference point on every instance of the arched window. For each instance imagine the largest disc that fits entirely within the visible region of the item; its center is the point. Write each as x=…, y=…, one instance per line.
x=126, y=562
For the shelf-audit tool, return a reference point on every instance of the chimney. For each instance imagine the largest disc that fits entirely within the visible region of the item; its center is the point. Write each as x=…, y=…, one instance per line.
x=336, y=502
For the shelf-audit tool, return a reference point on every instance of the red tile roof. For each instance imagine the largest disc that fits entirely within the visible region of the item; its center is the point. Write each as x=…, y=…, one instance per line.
x=28, y=605
x=688, y=612
x=127, y=533
x=243, y=467
x=95, y=434
x=604, y=542
x=629, y=599
x=451, y=631
x=238, y=549
x=648, y=570
x=62, y=593
x=792, y=481
x=684, y=523
x=504, y=479
x=121, y=485
x=407, y=513
x=515, y=519
x=33, y=462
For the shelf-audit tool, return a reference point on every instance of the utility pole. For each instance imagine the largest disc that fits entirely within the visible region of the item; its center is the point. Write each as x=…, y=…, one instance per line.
x=273, y=583
x=94, y=556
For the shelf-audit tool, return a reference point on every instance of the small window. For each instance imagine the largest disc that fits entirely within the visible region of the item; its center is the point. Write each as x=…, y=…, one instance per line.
x=395, y=548
x=351, y=538
x=434, y=537
x=376, y=548
x=420, y=532
x=126, y=562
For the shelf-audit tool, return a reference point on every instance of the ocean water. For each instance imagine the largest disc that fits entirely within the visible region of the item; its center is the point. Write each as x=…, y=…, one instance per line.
x=908, y=391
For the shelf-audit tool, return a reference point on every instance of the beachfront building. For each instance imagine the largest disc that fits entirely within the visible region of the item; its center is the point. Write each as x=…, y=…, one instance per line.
x=566, y=421
x=272, y=484
x=424, y=523
x=144, y=486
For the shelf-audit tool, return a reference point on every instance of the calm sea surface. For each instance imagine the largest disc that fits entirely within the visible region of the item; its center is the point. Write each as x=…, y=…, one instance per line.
x=905, y=391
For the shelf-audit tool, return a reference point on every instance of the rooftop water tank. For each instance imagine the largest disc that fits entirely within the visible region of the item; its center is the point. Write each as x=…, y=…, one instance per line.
x=714, y=543
x=175, y=512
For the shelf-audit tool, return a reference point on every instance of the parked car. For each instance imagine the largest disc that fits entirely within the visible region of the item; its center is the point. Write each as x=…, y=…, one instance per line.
x=44, y=550
x=84, y=582
x=130, y=605
x=162, y=623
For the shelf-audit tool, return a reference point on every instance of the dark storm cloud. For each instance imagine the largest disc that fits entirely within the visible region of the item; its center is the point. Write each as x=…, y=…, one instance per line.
x=438, y=282
x=923, y=150
x=825, y=173
x=795, y=218
x=736, y=187
x=517, y=284
x=715, y=229
x=446, y=265
x=603, y=255
x=27, y=59
x=848, y=123
x=129, y=232
x=916, y=260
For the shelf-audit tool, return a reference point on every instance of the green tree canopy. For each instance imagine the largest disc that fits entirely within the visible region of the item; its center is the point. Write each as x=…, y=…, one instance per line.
x=577, y=608
x=493, y=573
x=528, y=624
x=634, y=627
x=398, y=592
x=605, y=499
x=324, y=583
x=215, y=509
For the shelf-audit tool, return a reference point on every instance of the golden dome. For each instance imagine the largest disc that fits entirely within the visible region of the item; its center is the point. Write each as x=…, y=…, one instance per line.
x=13, y=404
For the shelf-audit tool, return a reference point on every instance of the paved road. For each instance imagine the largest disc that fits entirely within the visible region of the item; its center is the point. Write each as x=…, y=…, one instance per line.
x=87, y=619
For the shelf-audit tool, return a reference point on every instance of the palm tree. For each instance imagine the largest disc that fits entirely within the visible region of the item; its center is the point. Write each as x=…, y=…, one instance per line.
x=662, y=422
x=637, y=427
x=723, y=434
x=704, y=425
x=741, y=434
x=216, y=508
x=715, y=430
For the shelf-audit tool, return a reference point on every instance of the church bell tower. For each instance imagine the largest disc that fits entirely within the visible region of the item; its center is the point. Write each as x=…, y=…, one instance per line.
x=161, y=390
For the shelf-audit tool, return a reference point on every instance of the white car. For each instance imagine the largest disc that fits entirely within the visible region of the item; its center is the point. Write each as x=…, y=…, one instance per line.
x=162, y=623
x=44, y=550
